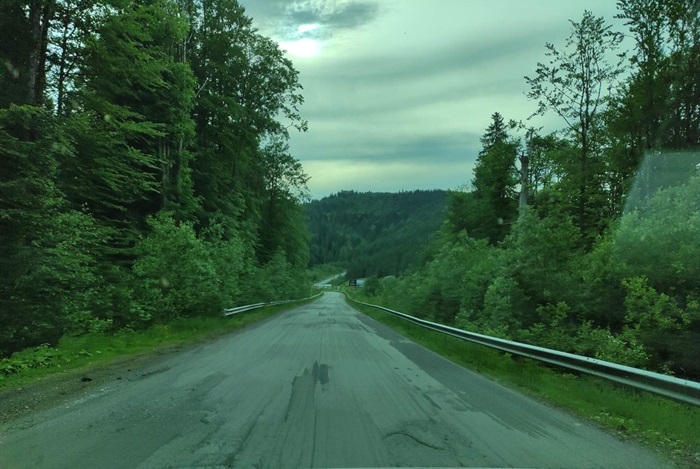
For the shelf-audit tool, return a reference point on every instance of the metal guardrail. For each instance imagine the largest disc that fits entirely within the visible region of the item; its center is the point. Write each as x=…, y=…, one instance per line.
x=242, y=309
x=681, y=390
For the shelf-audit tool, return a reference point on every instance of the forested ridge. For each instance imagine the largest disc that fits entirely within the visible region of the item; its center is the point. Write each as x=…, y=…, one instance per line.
x=374, y=233
x=584, y=239
x=145, y=168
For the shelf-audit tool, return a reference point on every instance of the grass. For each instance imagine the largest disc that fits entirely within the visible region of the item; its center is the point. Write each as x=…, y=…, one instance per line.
x=654, y=421
x=78, y=354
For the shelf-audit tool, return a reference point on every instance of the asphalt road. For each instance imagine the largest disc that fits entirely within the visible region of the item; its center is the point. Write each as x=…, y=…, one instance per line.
x=318, y=386
x=329, y=279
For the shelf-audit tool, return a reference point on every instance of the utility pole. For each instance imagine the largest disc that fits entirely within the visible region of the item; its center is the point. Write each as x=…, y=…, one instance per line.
x=524, y=181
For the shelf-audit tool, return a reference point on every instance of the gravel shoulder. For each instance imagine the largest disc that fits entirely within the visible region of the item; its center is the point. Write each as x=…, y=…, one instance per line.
x=54, y=390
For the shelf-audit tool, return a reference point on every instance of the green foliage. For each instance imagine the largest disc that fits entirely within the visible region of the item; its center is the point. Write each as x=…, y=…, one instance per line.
x=248, y=95
x=650, y=311
x=176, y=271
x=539, y=286
x=285, y=184
x=665, y=64
x=552, y=329
x=371, y=286
x=47, y=259
x=659, y=241
x=538, y=254
x=15, y=45
x=278, y=279
x=42, y=356
x=490, y=207
x=576, y=84
x=159, y=183
x=605, y=261
x=501, y=302
x=452, y=279
x=230, y=259
x=373, y=233
x=68, y=274
x=623, y=348
x=462, y=209
x=493, y=184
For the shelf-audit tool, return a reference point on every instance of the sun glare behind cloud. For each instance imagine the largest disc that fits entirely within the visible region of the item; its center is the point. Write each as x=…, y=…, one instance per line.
x=305, y=28
x=302, y=48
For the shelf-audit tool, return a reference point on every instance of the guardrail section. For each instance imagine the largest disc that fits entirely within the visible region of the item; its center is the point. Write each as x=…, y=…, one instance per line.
x=681, y=390
x=242, y=309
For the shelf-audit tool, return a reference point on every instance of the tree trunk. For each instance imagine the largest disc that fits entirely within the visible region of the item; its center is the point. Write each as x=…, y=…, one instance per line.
x=39, y=17
x=36, y=35
x=62, y=68
x=46, y=14
x=583, y=180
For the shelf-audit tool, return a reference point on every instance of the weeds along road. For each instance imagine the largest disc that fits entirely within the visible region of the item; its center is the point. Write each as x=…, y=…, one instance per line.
x=318, y=386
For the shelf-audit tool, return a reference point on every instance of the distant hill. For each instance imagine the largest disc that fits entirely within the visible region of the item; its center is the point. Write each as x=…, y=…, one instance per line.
x=374, y=233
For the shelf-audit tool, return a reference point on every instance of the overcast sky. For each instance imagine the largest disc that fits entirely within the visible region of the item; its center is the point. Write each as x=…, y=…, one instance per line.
x=398, y=92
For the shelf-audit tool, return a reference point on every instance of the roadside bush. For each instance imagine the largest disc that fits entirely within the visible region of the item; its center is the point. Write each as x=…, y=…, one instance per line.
x=538, y=255
x=553, y=329
x=176, y=272
x=660, y=241
x=502, y=300
x=42, y=356
x=623, y=348
x=230, y=259
x=649, y=312
x=372, y=286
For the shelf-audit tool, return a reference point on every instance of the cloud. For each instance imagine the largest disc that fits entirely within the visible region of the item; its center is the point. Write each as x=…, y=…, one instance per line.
x=403, y=107
x=282, y=18
x=430, y=147
x=463, y=54
x=332, y=14
x=332, y=176
x=436, y=90
x=399, y=91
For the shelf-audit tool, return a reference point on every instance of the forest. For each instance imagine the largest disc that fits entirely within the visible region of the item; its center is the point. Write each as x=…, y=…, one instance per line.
x=373, y=233
x=584, y=238
x=146, y=173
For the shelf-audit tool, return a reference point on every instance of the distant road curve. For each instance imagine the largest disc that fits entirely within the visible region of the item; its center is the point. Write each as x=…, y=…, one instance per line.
x=329, y=279
x=321, y=385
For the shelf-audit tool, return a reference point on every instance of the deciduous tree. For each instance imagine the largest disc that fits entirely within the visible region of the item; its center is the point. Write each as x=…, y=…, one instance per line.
x=577, y=83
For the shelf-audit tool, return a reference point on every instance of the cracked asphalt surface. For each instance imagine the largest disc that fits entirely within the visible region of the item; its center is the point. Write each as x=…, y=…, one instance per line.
x=321, y=385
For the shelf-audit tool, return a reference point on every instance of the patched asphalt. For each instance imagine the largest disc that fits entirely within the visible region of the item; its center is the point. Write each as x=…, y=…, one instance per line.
x=321, y=385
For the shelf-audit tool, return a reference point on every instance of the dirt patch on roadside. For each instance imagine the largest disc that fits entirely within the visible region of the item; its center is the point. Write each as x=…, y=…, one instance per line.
x=54, y=390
